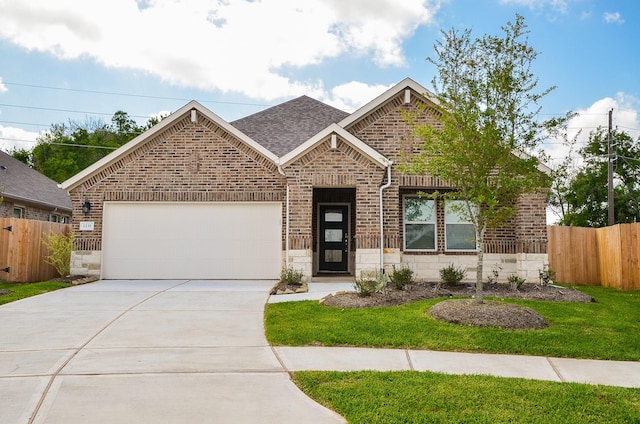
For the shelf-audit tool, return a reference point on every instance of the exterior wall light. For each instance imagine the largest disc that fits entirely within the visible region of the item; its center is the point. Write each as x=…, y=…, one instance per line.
x=86, y=207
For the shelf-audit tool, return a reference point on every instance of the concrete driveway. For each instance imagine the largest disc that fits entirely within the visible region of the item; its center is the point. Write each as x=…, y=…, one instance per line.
x=146, y=352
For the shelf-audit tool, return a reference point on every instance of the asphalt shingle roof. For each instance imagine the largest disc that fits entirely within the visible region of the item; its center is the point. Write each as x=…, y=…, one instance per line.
x=282, y=128
x=21, y=183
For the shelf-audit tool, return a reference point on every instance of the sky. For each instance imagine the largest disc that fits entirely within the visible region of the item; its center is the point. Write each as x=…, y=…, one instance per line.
x=67, y=61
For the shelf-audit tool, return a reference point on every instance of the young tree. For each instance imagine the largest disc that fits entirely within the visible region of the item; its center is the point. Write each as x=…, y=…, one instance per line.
x=584, y=200
x=489, y=129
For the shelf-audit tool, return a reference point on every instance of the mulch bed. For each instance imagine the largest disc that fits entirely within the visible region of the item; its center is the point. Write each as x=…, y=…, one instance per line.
x=430, y=290
x=468, y=311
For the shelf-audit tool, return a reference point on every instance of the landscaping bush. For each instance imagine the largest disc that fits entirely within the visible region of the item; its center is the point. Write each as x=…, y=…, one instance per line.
x=452, y=274
x=547, y=275
x=401, y=278
x=60, y=247
x=366, y=285
x=495, y=274
x=291, y=276
x=516, y=282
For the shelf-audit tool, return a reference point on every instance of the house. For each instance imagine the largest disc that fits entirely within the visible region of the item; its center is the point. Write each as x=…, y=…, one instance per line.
x=28, y=194
x=300, y=184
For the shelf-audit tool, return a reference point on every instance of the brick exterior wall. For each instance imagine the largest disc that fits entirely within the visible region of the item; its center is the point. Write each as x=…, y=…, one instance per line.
x=188, y=162
x=30, y=212
x=200, y=162
x=388, y=131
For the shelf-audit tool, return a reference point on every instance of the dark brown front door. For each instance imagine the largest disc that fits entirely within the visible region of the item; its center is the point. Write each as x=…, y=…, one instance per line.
x=333, y=236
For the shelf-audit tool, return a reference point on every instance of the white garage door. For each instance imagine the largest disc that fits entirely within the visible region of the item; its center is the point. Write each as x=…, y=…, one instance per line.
x=192, y=240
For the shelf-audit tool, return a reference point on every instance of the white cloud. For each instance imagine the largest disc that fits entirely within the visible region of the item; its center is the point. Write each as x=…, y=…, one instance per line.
x=229, y=45
x=557, y=5
x=613, y=18
x=354, y=94
x=625, y=118
x=11, y=137
x=3, y=88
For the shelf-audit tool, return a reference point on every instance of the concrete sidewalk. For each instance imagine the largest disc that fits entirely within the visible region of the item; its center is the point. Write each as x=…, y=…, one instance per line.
x=612, y=373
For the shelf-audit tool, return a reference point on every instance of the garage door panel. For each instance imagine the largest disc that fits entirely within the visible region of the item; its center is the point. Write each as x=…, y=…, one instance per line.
x=192, y=240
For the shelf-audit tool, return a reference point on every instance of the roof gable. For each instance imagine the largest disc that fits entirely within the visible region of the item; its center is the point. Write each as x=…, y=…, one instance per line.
x=191, y=108
x=388, y=95
x=21, y=183
x=286, y=126
x=322, y=136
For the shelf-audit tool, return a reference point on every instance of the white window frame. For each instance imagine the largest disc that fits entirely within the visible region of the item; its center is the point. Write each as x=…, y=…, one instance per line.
x=405, y=222
x=19, y=208
x=447, y=223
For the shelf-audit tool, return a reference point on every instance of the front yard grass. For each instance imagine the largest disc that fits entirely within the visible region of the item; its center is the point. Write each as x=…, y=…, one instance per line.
x=23, y=290
x=426, y=397
x=606, y=329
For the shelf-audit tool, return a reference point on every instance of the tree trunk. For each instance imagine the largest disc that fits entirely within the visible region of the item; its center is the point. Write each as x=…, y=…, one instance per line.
x=479, y=267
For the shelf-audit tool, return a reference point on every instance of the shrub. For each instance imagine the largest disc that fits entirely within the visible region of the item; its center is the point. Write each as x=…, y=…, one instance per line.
x=495, y=274
x=401, y=278
x=547, y=275
x=452, y=274
x=290, y=276
x=516, y=282
x=366, y=285
x=60, y=247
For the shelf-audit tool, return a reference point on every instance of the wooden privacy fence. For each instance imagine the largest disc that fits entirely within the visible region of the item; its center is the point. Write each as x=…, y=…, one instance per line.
x=608, y=256
x=22, y=253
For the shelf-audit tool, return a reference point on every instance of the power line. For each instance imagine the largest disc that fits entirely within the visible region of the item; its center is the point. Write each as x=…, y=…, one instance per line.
x=61, y=144
x=144, y=96
x=24, y=123
x=66, y=110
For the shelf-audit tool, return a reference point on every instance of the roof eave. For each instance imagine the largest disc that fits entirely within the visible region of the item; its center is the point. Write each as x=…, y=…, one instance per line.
x=376, y=157
x=83, y=175
x=386, y=96
x=34, y=202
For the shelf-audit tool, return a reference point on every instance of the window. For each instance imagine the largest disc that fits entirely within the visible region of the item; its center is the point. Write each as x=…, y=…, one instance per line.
x=419, y=224
x=459, y=232
x=54, y=218
x=18, y=212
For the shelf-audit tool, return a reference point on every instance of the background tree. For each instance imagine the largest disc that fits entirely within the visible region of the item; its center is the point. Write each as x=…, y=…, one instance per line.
x=583, y=200
x=66, y=149
x=488, y=106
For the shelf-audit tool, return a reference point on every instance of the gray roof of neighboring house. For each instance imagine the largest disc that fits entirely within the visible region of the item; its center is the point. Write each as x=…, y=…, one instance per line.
x=21, y=183
x=282, y=128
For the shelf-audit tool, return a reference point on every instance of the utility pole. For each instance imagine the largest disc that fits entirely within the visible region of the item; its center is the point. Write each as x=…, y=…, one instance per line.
x=610, y=169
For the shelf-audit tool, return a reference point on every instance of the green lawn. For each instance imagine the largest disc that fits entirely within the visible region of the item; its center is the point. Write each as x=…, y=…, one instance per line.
x=425, y=397
x=606, y=329
x=22, y=290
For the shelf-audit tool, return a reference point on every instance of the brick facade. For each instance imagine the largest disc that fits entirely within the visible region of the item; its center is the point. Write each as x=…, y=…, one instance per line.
x=202, y=162
x=189, y=162
x=31, y=212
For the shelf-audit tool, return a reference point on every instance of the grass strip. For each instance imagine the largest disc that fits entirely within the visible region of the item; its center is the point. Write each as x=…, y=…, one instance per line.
x=23, y=290
x=606, y=329
x=426, y=397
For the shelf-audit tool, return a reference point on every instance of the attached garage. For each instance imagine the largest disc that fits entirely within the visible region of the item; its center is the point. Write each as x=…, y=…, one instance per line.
x=192, y=240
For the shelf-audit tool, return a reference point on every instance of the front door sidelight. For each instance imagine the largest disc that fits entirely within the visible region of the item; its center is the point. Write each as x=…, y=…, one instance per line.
x=333, y=238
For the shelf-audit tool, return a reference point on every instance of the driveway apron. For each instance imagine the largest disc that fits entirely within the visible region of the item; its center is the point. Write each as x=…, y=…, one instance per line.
x=146, y=352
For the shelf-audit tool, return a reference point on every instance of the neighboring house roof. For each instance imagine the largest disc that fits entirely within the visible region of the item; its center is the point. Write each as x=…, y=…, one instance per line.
x=286, y=126
x=158, y=128
x=20, y=183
